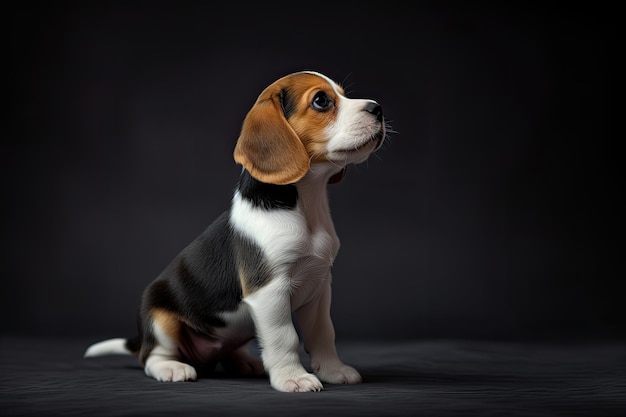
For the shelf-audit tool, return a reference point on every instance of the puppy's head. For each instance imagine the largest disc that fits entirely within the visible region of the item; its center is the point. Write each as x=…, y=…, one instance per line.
x=302, y=119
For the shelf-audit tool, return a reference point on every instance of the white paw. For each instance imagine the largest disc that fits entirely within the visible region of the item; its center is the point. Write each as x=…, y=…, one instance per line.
x=337, y=373
x=297, y=383
x=171, y=371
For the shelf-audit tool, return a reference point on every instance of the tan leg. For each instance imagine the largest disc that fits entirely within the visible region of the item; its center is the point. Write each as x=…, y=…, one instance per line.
x=318, y=335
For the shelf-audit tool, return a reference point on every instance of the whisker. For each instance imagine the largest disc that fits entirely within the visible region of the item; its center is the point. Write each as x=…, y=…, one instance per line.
x=347, y=86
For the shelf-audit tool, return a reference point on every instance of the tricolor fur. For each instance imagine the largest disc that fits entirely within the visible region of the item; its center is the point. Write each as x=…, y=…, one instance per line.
x=269, y=255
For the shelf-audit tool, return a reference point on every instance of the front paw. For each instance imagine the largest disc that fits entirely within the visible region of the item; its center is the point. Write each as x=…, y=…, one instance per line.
x=171, y=371
x=296, y=383
x=337, y=373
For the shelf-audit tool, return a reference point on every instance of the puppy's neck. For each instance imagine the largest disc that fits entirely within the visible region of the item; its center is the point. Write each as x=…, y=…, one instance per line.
x=312, y=193
x=316, y=179
x=309, y=194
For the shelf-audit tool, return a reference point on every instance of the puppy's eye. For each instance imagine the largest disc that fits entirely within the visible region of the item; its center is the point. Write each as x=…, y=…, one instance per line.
x=321, y=101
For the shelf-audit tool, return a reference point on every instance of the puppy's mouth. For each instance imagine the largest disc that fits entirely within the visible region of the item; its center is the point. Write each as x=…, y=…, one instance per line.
x=377, y=140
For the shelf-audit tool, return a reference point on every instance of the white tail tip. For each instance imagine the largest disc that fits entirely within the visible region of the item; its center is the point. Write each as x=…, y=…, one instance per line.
x=108, y=347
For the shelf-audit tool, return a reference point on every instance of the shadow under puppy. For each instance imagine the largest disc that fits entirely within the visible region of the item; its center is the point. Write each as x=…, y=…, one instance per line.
x=269, y=255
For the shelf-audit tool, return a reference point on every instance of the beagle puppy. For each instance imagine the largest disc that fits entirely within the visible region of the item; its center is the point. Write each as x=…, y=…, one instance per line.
x=269, y=255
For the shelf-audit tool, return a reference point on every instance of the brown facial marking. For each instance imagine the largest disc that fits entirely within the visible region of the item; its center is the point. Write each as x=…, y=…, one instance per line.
x=308, y=123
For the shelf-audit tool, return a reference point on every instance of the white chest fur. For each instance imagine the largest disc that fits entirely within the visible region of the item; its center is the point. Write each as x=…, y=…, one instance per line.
x=299, y=244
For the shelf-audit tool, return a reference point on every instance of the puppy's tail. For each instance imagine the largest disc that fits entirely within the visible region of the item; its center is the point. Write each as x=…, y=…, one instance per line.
x=118, y=346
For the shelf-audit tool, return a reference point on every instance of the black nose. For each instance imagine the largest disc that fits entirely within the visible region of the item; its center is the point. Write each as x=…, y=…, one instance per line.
x=375, y=109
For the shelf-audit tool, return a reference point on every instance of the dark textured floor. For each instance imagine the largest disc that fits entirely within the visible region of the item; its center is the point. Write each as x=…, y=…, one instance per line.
x=42, y=377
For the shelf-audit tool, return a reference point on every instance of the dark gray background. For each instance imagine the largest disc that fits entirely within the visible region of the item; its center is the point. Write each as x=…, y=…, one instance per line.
x=493, y=213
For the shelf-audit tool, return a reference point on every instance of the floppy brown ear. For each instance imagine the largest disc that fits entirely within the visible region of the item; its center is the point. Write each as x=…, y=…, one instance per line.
x=268, y=147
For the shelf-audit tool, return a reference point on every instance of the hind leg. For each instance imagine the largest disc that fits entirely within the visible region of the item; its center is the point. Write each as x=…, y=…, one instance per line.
x=162, y=362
